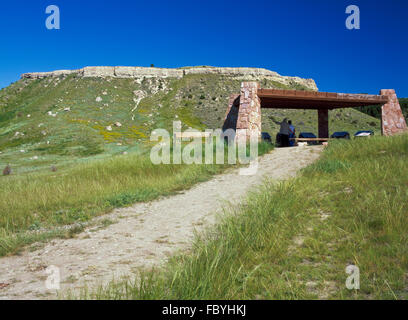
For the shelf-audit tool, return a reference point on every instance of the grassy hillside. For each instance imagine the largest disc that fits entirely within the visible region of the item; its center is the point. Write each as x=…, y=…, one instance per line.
x=63, y=120
x=294, y=240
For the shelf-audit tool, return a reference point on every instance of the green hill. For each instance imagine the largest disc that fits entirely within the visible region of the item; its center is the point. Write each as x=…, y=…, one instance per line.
x=58, y=120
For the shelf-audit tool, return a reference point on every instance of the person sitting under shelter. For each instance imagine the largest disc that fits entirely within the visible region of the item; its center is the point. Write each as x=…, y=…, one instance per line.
x=283, y=132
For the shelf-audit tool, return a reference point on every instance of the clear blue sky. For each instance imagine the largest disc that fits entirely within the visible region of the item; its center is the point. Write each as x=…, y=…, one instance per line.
x=305, y=38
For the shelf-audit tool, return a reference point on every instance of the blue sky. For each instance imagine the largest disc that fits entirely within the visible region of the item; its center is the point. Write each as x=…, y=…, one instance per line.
x=305, y=38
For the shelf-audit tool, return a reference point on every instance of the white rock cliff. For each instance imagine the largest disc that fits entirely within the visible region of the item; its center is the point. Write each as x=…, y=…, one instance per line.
x=247, y=74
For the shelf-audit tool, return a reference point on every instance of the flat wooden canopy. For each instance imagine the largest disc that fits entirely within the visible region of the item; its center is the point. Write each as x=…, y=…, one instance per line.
x=299, y=99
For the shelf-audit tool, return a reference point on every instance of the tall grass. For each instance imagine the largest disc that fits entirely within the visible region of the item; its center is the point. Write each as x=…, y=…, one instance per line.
x=294, y=240
x=38, y=201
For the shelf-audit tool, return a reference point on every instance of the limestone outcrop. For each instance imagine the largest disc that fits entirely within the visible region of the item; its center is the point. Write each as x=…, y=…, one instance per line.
x=244, y=74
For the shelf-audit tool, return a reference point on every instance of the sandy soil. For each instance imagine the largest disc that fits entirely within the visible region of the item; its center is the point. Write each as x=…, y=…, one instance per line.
x=143, y=235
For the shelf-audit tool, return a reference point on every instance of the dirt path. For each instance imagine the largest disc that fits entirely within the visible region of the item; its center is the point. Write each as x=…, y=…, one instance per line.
x=143, y=235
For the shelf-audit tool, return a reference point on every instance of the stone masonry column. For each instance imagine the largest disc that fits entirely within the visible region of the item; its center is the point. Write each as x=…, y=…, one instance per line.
x=323, y=118
x=392, y=119
x=249, y=114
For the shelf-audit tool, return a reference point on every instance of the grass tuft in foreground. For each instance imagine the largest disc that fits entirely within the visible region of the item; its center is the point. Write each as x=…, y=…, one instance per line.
x=295, y=239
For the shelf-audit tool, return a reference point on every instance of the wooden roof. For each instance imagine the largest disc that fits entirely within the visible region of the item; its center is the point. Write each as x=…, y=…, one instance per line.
x=299, y=99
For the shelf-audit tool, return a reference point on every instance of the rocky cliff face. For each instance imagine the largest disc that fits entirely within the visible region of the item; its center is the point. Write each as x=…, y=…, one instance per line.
x=244, y=74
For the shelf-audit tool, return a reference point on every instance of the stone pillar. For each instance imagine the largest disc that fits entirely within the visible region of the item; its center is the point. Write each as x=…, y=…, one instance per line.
x=323, y=118
x=392, y=119
x=249, y=114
